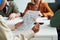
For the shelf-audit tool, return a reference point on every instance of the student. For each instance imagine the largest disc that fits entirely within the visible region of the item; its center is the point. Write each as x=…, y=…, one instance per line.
x=6, y=33
x=55, y=22
x=9, y=9
x=38, y=5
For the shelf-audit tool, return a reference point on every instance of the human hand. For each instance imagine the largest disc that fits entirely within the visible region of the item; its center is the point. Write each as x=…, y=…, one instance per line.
x=18, y=25
x=49, y=16
x=36, y=27
x=40, y=14
x=13, y=15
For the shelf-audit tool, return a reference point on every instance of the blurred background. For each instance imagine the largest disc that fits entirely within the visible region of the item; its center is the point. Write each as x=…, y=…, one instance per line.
x=23, y=3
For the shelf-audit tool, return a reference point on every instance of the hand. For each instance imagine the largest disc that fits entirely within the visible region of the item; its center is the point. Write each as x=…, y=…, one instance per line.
x=36, y=27
x=40, y=14
x=49, y=16
x=13, y=15
x=18, y=25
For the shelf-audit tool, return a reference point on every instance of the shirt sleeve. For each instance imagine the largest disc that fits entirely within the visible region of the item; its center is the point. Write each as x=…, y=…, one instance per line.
x=28, y=34
x=15, y=7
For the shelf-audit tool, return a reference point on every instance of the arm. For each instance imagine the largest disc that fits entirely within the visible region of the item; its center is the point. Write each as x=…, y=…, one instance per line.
x=6, y=33
x=30, y=32
x=3, y=4
x=50, y=12
x=15, y=10
x=45, y=9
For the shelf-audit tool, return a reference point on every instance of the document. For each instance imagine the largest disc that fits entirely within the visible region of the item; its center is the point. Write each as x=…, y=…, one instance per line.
x=29, y=20
x=32, y=14
x=41, y=19
x=11, y=23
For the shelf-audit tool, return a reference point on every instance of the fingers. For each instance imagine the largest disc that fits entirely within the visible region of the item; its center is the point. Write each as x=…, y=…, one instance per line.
x=49, y=16
x=12, y=16
x=18, y=25
x=36, y=27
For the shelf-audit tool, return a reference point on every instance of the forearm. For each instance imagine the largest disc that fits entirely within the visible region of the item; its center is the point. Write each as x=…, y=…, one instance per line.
x=47, y=14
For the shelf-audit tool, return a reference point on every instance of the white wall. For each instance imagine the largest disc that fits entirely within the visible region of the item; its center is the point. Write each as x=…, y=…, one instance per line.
x=49, y=1
x=21, y=4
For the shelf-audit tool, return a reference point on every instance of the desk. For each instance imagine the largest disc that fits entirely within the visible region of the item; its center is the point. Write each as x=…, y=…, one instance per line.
x=46, y=32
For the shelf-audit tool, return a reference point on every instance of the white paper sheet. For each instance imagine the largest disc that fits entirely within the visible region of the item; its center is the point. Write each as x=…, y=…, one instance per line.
x=28, y=21
x=32, y=14
x=11, y=23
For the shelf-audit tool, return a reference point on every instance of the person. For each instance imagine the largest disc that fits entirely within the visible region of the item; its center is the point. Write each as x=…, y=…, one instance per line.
x=55, y=22
x=3, y=5
x=9, y=9
x=7, y=34
x=38, y=5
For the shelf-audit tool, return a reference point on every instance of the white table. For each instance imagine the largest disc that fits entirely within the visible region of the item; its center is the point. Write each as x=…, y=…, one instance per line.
x=46, y=32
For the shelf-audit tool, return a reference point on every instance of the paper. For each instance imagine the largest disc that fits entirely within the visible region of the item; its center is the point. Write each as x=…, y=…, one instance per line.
x=41, y=19
x=11, y=23
x=28, y=21
x=32, y=14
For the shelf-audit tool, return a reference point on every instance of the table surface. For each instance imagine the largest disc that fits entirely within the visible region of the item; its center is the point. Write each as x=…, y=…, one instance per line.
x=45, y=29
